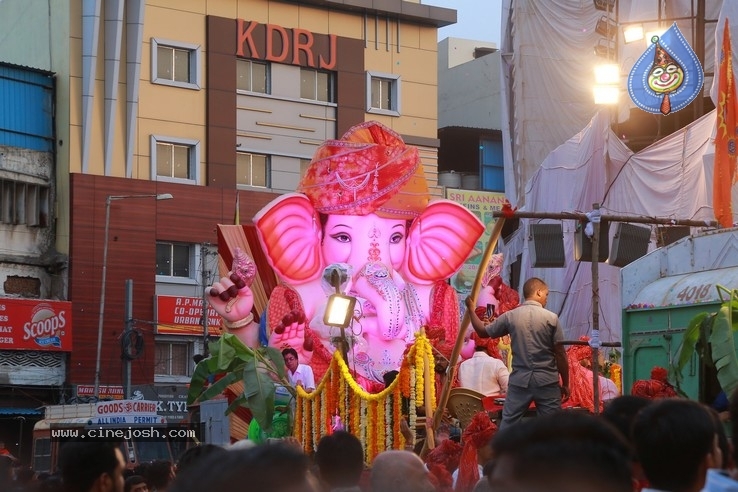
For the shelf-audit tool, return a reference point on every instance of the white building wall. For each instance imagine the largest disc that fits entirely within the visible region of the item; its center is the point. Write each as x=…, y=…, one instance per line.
x=469, y=89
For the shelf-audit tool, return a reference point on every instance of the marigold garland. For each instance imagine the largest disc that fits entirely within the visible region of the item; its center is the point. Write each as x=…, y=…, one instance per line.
x=616, y=375
x=375, y=418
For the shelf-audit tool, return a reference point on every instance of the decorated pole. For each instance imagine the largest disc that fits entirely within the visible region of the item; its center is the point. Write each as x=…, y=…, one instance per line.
x=451, y=371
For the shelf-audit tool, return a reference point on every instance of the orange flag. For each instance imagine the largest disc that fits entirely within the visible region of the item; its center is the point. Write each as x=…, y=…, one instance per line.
x=724, y=173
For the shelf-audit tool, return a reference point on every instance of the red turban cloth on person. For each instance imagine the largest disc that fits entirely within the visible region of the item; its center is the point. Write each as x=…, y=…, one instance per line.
x=582, y=392
x=446, y=454
x=477, y=434
x=369, y=170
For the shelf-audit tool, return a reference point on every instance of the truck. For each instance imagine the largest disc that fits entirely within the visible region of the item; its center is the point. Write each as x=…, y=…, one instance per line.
x=662, y=292
x=134, y=425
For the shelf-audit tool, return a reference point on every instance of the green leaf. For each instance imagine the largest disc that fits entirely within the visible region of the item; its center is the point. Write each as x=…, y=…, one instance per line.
x=687, y=348
x=259, y=391
x=277, y=359
x=219, y=386
x=203, y=370
x=723, y=350
x=238, y=402
x=226, y=354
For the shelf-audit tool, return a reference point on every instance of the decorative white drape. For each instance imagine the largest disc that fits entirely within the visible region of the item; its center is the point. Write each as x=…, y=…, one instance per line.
x=547, y=73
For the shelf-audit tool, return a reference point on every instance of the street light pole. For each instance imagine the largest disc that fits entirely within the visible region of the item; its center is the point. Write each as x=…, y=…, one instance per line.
x=100, y=323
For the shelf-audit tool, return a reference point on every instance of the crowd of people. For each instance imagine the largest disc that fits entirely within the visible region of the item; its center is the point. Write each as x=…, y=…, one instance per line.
x=636, y=444
x=649, y=441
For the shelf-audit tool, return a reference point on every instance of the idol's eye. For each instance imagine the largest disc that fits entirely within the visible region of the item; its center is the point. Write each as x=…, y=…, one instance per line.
x=396, y=238
x=341, y=237
x=672, y=69
x=657, y=72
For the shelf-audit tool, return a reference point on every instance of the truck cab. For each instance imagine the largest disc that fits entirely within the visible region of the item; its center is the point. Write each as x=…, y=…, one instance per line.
x=662, y=292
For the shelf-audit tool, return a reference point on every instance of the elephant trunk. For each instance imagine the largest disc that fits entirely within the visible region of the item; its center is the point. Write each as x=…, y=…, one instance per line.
x=383, y=292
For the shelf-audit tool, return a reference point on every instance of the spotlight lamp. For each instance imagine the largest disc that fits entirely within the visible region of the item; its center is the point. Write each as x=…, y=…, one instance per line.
x=606, y=5
x=633, y=33
x=339, y=311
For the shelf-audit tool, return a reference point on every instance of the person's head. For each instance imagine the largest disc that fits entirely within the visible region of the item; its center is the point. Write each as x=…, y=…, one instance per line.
x=340, y=459
x=278, y=467
x=568, y=451
x=535, y=289
x=90, y=465
x=389, y=377
x=621, y=411
x=676, y=442
x=196, y=453
x=136, y=483
x=400, y=471
x=158, y=474
x=290, y=358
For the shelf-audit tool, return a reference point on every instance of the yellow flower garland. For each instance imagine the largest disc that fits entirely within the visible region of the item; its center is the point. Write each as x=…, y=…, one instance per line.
x=373, y=417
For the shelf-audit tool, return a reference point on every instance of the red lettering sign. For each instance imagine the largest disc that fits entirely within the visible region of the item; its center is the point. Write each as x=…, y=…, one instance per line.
x=106, y=391
x=35, y=324
x=179, y=315
x=245, y=36
x=279, y=43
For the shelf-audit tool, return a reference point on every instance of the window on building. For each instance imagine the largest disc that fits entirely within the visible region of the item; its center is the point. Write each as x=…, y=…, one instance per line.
x=174, y=63
x=493, y=171
x=253, y=76
x=175, y=159
x=173, y=358
x=24, y=203
x=383, y=94
x=316, y=85
x=252, y=169
x=174, y=260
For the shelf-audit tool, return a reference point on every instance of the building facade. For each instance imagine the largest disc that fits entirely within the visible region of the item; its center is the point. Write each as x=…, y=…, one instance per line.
x=220, y=104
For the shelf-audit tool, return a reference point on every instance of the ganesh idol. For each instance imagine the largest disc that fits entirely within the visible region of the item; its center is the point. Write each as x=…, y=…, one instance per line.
x=363, y=209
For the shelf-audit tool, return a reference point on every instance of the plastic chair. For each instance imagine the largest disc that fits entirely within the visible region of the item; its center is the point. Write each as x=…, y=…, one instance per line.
x=463, y=404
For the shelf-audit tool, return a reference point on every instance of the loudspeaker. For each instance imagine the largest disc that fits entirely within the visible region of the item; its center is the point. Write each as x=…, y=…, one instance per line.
x=583, y=243
x=629, y=243
x=546, y=247
x=666, y=235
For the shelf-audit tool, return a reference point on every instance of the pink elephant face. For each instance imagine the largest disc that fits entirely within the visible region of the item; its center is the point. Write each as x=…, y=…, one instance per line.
x=357, y=240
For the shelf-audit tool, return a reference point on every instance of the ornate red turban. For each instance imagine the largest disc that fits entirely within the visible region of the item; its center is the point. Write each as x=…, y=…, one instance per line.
x=369, y=170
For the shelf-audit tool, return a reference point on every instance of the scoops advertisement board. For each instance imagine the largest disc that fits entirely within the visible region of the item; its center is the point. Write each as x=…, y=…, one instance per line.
x=35, y=324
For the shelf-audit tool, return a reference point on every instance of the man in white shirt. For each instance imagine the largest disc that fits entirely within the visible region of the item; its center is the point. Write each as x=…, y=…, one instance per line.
x=297, y=373
x=483, y=373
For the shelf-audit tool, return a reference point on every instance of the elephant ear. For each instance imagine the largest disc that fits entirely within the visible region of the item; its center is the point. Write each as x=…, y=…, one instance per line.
x=440, y=241
x=289, y=231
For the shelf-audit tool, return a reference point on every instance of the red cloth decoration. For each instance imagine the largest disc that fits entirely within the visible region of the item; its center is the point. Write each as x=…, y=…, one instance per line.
x=656, y=387
x=476, y=435
x=582, y=393
x=507, y=211
x=446, y=454
x=441, y=478
x=659, y=374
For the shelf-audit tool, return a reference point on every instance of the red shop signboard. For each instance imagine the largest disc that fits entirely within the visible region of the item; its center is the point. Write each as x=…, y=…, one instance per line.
x=35, y=324
x=179, y=315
